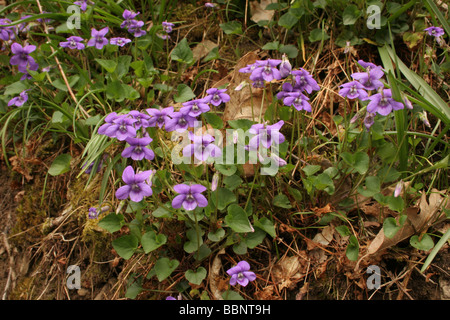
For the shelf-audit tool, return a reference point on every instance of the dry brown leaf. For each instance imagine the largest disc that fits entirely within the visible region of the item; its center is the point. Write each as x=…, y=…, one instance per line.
x=215, y=284
x=258, y=11
x=321, y=211
x=289, y=270
x=202, y=49
x=266, y=294
x=420, y=218
x=325, y=237
x=302, y=292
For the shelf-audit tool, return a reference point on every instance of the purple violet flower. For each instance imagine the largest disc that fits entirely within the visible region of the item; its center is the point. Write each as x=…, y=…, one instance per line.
x=266, y=135
x=304, y=81
x=241, y=274
x=142, y=119
x=129, y=17
x=83, y=4
x=383, y=103
x=266, y=70
x=180, y=122
x=190, y=196
x=24, y=26
x=137, y=185
x=297, y=100
x=91, y=165
x=22, y=58
x=370, y=78
x=369, y=120
x=135, y=28
x=6, y=33
x=435, y=31
x=353, y=90
x=159, y=117
x=121, y=127
x=73, y=42
x=398, y=188
x=108, y=122
x=93, y=213
x=217, y=96
x=20, y=100
x=368, y=65
x=202, y=147
x=167, y=26
x=210, y=5
x=98, y=39
x=138, y=149
x=285, y=66
x=119, y=41
x=286, y=88
x=248, y=68
x=195, y=107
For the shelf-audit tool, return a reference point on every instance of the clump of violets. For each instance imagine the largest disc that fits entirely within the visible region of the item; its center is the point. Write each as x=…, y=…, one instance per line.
x=73, y=42
x=241, y=274
x=138, y=185
x=298, y=81
x=380, y=103
x=19, y=100
x=98, y=39
x=189, y=197
x=131, y=24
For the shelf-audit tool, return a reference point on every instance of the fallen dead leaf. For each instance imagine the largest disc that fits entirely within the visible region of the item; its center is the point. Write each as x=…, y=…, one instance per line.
x=325, y=237
x=266, y=294
x=258, y=11
x=302, y=292
x=420, y=218
x=289, y=270
x=203, y=48
x=321, y=211
x=215, y=285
